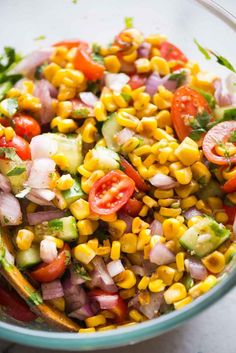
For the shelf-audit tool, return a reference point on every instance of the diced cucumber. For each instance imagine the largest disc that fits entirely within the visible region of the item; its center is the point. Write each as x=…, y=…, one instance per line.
x=28, y=258
x=71, y=147
x=110, y=128
x=63, y=228
x=16, y=181
x=74, y=193
x=107, y=159
x=204, y=237
x=225, y=113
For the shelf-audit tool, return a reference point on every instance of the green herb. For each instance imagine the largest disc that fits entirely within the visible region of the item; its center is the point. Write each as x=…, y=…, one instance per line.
x=39, y=71
x=98, y=58
x=82, y=112
x=7, y=58
x=129, y=22
x=232, y=137
x=208, y=97
x=127, y=97
x=204, y=51
x=218, y=229
x=225, y=151
x=179, y=77
x=4, y=77
x=9, y=153
x=81, y=271
x=34, y=297
x=23, y=193
x=42, y=37
x=101, y=235
x=10, y=105
x=16, y=171
x=68, y=257
x=74, y=1
x=94, y=86
x=4, y=88
x=199, y=125
x=96, y=48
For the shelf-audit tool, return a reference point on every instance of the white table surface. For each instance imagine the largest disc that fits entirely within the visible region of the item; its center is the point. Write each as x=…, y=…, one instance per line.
x=213, y=331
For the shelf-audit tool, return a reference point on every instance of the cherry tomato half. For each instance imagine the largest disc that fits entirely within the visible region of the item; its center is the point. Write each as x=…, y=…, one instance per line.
x=70, y=43
x=83, y=62
x=25, y=126
x=170, y=52
x=219, y=134
x=186, y=104
x=45, y=273
x=110, y=193
x=137, y=81
x=230, y=185
x=131, y=172
x=132, y=207
x=15, y=306
x=20, y=145
x=231, y=212
x=120, y=308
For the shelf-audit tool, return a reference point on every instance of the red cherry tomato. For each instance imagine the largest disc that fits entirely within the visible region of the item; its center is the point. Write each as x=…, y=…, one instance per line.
x=45, y=273
x=20, y=145
x=110, y=193
x=83, y=62
x=231, y=212
x=25, y=126
x=230, y=185
x=15, y=306
x=132, y=207
x=170, y=52
x=131, y=172
x=120, y=308
x=137, y=81
x=186, y=104
x=219, y=134
x=70, y=43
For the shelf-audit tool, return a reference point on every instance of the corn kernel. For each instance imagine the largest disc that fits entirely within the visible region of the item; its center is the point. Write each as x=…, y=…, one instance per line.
x=163, y=119
x=126, y=280
x=166, y=274
x=115, y=250
x=175, y=293
x=144, y=211
x=144, y=282
x=156, y=285
x=65, y=182
x=201, y=173
x=170, y=212
x=215, y=202
x=67, y=125
x=156, y=39
x=221, y=217
x=160, y=65
x=184, y=191
x=94, y=321
x=129, y=243
x=58, y=303
x=143, y=239
x=112, y=63
x=24, y=239
x=136, y=316
x=66, y=92
x=188, y=202
x=138, y=224
x=147, y=200
x=143, y=65
x=184, y=175
x=127, y=120
x=127, y=293
x=117, y=228
x=100, y=111
x=187, y=152
x=180, y=261
x=87, y=227
x=80, y=209
x=83, y=253
x=215, y=262
x=181, y=303
x=209, y=283
x=163, y=194
x=230, y=253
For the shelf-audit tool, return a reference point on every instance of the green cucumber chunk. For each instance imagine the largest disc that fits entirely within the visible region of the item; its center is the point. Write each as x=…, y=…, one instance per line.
x=16, y=181
x=28, y=258
x=204, y=237
x=62, y=228
x=110, y=128
x=74, y=193
x=106, y=158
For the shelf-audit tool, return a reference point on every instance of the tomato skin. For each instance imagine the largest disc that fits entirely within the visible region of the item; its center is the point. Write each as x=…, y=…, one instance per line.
x=170, y=52
x=70, y=43
x=220, y=133
x=25, y=126
x=120, y=310
x=15, y=305
x=45, y=273
x=132, y=207
x=137, y=81
x=193, y=104
x=231, y=212
x=230, y=185
x=21, y=146
x=110, y=187
x=131, y=172
x=83, y=62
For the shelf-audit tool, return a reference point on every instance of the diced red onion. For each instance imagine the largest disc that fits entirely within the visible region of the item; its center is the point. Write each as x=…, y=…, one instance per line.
x=43, y=91
x=116, y=81
x=161, y=255
x=74, y=295
x=88, y=98
x=29, y=63
x=42, y=146
x=48, y=251
x=100, y=276
x=5, y=183
x=44, y=194
x=163, y=181
x=10, y=212
x=127, y=219
x=75, y=278
x=40, y=173
x=230, y=83
x=152, y=83
x=124, y=135
x=151, y=310
x=149, y=267
x=39, y=201
x=234, y=226
x=222, y=98
x=82, y=313
x=196, y=269
x=156, y=228
x=138, y=270
x=107, y=301
x=52, y=290
x=40, y=217
x=134, y=302
x=127, y=68
x=192, y=212
x=144, y=50
x=115, y=267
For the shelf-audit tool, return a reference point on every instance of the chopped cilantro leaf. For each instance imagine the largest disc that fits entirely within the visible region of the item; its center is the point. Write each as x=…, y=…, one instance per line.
x=223, y=61
x=10, y=153
x=127, y=97
x=42, y=37
x=94, y=86
x=129, y=22
x=4, y=88
x=96, y=48
x=68, y=257
x=7, y=58
x=16, y=171
x=199, y=125
x=232, y=137
x=196, y=134
x=81, y=271
x=98, y=58
x=82, y=112
x=179, y=77
x=204, y=51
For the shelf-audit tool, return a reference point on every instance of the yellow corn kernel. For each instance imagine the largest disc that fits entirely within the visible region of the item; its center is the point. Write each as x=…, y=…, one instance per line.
x=150, y=202
x=215, y=262
x=146, y=252
x=143, y=283
x=84, y=171
x=163, y=194
x=28, y=102
x=115, y=250
x=143, y=65
x=163, y=119
x=170, y=212
x=80, y=209
x=13, y=93
x=166, y=274
x=50, y=70
x=151, y=158
x=108, y=314
x=127, y=120
x=140, y=151
x=68, y=77
x=129, y=243
x=209, y=283
x=196, y=290
x=175, y=293
x=204, y=80
x=126, y=279
x=60, y=160
x=232, y=197
x=64, y=109
x=58, y=303
x=160, y=134
x=103, y=251
x=120, y=100
x=24, y=239
x=94, y=321
x=146, y=126
x=181, y=303
x=156, y=39
x=230, y=253
x=156, y=285
x=160, y=65
x=67, y=125
x=127, y=293
x=201, y=173
x=107, y=328
x=171, y=228
x=130, y=145
x=144, y=298
x=109, y=218
x=187, y=152
x=107, y=100
x=55, y=121
x=180, y=261
x=66, y=92
x=156, y=239
x=89, y=132
x=184, y=191
x=136, y=316
x=194, y=220
x=229, y=173
x=100, y=111
x=166, y=202
x=65, y=182
x=87, y=330
x=87, y=227
x=143, y=239
x=112, y=63
x=87, y=183
x=138, y=224
x=131, y=57
x=155, y=52
x=149, y=110
x=59, y=200
x=83, y=253
x=28, y=86
x=215, y=202
x=9, y=133
x=188, y=202
x=141, y=101
x=93, y=244
x=184, y=175
x=144, y=211
x=193, y=67
x=117, y=228
x=221, y=217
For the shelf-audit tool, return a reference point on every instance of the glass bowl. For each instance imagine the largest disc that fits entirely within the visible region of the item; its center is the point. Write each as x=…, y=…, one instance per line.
x=99, y=21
